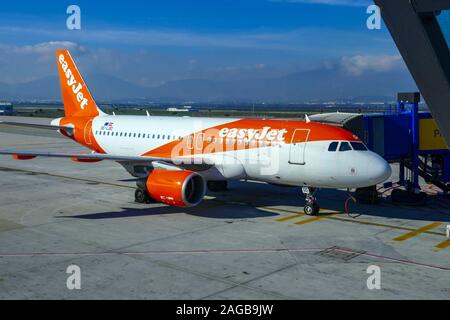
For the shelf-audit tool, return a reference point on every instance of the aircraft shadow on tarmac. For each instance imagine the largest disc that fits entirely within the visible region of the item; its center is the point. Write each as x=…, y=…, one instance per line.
x=248, y=200
x=202, y=210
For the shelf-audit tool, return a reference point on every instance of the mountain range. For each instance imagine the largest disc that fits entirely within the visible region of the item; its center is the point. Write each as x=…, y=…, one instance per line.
x=313, y=85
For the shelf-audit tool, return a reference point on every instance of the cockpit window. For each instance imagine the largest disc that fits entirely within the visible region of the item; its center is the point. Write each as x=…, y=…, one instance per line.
x=358, y=146
x=345, y=146
x=332, y=146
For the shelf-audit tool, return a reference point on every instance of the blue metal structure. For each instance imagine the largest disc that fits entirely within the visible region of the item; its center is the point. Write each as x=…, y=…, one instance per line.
x=396, y=136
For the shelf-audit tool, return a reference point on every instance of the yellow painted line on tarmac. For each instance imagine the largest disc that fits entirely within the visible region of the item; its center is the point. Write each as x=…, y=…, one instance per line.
x=298, y=215
x=443, y=244
x=315, y=219
x=325, y=212
x=418, y=231
x=375, y=224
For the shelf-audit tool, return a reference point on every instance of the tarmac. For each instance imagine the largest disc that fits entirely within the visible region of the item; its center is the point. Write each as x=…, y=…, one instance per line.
x=250, y=242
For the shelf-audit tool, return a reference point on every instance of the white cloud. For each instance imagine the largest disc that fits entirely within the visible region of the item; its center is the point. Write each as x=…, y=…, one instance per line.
x=30, y=62
x=307, y=39
x=358, y=64
x=46, y=47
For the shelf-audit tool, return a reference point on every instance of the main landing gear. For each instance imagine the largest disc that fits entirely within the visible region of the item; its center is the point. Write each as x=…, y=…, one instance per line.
x=141, y=195
x=311, y=207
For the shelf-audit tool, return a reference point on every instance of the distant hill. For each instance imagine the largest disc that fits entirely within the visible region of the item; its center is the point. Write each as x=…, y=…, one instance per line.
x=313, y=85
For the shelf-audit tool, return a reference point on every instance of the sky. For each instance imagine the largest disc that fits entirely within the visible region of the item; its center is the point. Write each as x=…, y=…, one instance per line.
x=152, y=42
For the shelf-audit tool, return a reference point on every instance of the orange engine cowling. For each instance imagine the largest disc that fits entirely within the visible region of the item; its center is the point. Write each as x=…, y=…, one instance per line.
x=176, y=188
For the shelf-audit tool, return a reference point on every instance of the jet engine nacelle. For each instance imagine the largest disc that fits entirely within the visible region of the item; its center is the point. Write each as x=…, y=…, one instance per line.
x=179, y=188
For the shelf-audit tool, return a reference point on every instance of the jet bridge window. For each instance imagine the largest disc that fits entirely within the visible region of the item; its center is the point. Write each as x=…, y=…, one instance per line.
x=358, y=146
x=333, y=146
x=345, y=146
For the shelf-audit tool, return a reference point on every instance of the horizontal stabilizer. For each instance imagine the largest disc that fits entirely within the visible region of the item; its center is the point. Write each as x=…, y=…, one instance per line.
x=35, y=125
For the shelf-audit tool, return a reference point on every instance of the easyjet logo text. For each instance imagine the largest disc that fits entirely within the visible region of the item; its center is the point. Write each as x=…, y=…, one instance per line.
x=75, y=86
x=266, y=133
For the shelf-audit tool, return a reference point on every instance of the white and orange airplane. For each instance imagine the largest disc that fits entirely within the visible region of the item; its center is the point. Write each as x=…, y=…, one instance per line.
x=176, y=158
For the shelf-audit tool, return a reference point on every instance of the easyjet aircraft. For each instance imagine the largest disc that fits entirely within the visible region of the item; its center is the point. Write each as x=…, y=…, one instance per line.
x=176, y=158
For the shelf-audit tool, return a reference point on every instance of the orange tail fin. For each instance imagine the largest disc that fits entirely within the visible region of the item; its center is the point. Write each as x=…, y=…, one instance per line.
x=76, y=96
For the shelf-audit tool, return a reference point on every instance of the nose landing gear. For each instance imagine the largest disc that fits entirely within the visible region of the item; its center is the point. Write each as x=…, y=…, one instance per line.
x=311, y=207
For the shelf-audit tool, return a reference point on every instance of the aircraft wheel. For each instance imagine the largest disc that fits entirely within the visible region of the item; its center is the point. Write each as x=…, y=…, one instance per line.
x=311, y=209
x=140, y=196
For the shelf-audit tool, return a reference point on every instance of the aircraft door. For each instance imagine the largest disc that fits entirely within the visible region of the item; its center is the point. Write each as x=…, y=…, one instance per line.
x=297, y=149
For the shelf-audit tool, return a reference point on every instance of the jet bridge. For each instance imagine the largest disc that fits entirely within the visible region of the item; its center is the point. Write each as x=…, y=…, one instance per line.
x=405, y=136
x=421, y=31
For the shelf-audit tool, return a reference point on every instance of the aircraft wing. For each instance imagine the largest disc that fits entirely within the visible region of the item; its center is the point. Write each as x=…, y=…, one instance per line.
x=26, y=154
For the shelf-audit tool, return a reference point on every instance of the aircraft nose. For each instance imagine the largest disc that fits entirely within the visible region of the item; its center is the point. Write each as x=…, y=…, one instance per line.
x=378, y=170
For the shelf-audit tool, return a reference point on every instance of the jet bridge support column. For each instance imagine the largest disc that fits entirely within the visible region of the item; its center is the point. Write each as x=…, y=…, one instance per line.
x=409, y=102
x=415, y=145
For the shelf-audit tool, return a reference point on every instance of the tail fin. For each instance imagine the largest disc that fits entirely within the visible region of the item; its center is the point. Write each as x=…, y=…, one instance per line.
x=76, y=96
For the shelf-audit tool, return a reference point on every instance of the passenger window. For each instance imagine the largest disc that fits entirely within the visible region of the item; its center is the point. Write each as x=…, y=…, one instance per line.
x=345, y=146
x=333, y=146
x=358, y=146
